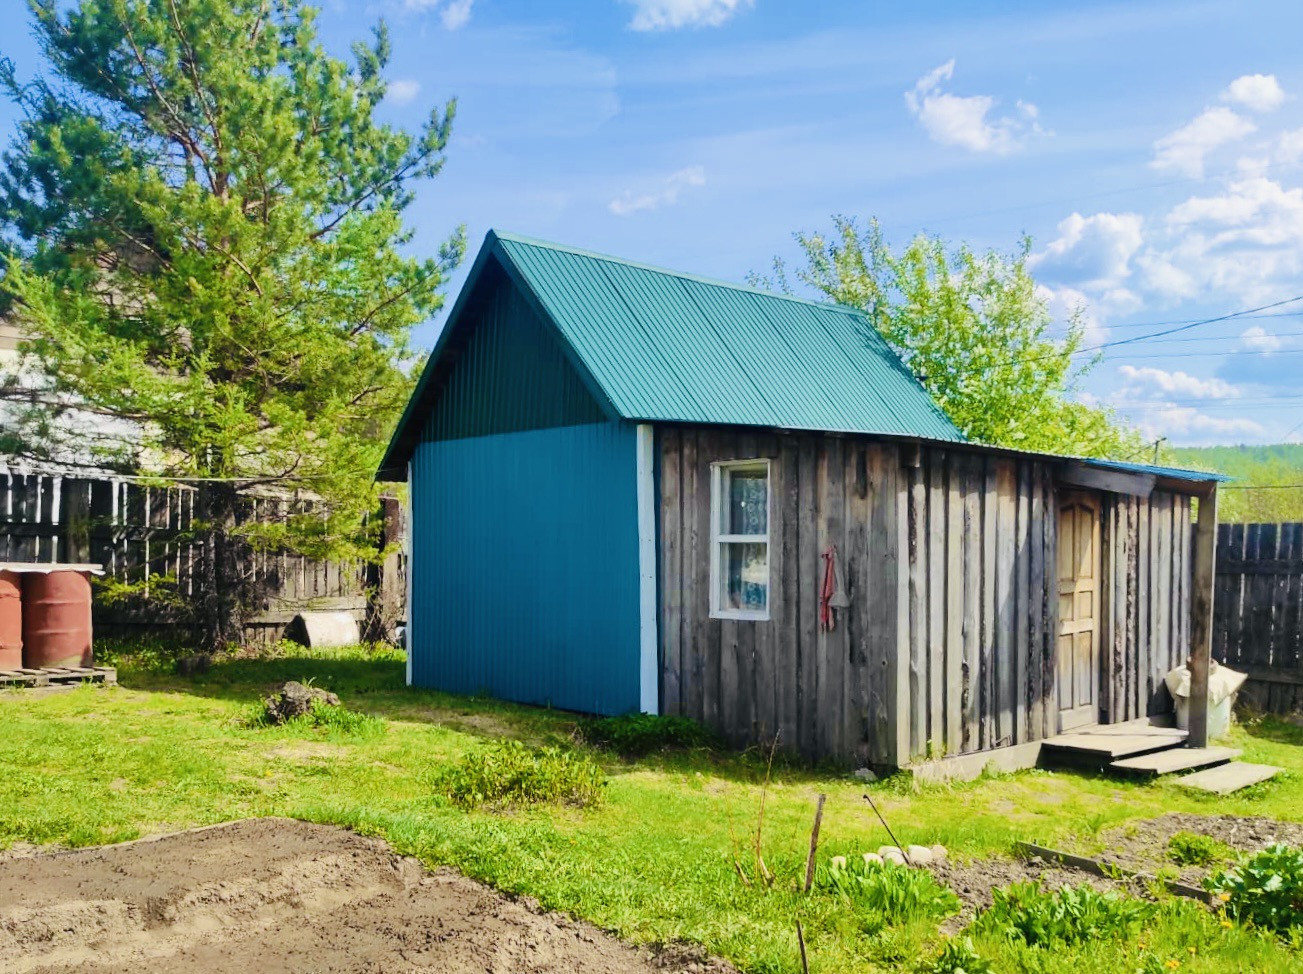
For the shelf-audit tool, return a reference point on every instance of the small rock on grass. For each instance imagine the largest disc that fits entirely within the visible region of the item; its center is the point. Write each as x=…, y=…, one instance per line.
x=865, y=774
x=919, y=855
x=891, y=853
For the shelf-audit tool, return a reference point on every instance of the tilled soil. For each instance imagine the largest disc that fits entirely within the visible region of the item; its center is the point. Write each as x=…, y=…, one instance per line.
x=277, y=896
x=974, y=881
x=1142, y=845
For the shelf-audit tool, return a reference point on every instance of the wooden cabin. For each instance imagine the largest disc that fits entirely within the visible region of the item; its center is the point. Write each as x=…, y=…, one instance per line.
x=633, y=489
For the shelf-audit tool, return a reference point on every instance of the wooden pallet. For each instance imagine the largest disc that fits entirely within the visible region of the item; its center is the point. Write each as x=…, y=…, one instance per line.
x=57, y=676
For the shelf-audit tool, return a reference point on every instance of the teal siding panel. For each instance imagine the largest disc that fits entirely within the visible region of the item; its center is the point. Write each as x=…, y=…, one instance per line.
x=525, y=566
x=512, y=374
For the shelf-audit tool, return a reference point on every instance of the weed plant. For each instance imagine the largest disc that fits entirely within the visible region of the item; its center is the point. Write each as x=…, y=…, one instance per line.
x=1192, y=849
x=636, y=735
x=1265, y=890
x=1073, y=915
x=509, y=774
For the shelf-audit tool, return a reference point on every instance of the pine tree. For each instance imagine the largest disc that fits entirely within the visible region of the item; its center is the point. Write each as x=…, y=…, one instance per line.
x=206, y=246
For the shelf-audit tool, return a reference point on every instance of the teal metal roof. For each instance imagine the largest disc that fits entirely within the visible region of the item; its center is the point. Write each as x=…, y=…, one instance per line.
x=1175, y=473
x=662, y=346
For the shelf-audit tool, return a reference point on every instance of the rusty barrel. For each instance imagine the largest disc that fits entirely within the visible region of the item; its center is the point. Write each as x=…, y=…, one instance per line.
x=11, y=620
x=56, y=619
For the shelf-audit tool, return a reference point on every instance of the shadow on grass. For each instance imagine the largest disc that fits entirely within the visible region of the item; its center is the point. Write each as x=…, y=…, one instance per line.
x=1269, y=727
x=378, y=687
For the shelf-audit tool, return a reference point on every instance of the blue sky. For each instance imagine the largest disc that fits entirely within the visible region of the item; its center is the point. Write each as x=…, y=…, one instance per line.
x=1153, y=151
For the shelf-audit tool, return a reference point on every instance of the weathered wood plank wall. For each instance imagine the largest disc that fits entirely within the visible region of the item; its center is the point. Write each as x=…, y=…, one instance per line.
x=980, y=617
x=1148, y=568
x=950, y=561
x=825, y=694
x=1258, y=611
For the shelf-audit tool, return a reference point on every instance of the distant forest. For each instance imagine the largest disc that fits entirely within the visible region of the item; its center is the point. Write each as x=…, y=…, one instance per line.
x=1278, y=468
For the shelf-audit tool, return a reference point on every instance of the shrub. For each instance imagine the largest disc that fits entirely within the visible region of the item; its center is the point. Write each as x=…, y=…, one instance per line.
x=897, y=892
x=1193, y=849
x=1265, y=890
x=957, y=957
x=1072, y=915
x=509, y=774
x=634, y=735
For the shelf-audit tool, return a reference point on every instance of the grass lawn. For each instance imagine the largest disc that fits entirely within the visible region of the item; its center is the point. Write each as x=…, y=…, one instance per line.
x=653, y=862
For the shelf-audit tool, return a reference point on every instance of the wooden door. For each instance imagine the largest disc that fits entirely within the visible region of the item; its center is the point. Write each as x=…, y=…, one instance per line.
x=1079, y=609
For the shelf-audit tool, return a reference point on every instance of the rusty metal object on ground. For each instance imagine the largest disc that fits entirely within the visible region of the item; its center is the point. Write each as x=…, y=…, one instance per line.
x=11, y=620
x=56, y=618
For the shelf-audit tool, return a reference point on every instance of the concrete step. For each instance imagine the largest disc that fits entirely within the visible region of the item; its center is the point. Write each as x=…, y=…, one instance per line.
x=1230, y=777
x=1175, y=759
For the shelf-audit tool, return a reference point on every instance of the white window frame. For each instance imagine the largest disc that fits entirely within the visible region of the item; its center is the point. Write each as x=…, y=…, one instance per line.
x=719, y=472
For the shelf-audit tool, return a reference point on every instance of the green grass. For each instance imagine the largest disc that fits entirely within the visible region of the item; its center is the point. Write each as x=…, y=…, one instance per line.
x=655, y=861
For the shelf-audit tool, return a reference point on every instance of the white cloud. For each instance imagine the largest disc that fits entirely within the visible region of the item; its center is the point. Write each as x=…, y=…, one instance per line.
x=403, y=90
x=666, y=193
x=1185, y=424
x=1184, y=150
x=966, y=121
x=1091, y=252
x=453, y=14
x=672, y=14
x=1256, y=92
x=1246, y=241
x=1258, y=339
x=456, y=13
x=1290, y=146
x=1150, y=383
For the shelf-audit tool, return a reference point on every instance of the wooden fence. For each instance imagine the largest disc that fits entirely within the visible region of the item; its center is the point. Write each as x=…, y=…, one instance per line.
x=138, y=533
x=1258, y=611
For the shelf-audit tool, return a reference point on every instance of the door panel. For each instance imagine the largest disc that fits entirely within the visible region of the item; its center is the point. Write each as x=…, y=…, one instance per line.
x=1079, y=622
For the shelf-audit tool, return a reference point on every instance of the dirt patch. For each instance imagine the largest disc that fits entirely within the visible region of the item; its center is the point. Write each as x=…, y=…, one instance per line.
x=280, y=896
x=1142, y=845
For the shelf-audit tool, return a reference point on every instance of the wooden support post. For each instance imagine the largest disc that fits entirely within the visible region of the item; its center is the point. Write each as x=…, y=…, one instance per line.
x=814, y=842
x=1201, y=616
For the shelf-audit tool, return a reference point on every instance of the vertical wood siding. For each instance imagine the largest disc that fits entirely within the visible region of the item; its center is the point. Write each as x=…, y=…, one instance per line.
x=1148, y=565
x=981, y=614
x=1258, y=606
x=948, y=645
x=825, y=694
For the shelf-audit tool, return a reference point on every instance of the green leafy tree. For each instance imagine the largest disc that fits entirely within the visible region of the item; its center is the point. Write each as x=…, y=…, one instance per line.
x=973, y=329
x=206, y=250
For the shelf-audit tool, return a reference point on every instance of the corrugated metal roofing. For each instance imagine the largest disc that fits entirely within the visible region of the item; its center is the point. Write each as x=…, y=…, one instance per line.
x=673, y=347
x=1175, y=473
x=657, y=345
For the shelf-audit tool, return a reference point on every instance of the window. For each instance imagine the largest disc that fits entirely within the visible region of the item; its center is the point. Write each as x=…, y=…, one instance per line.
x=739, y=521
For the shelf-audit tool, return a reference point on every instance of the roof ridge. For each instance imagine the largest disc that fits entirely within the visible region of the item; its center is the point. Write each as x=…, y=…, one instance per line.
x=670, y=272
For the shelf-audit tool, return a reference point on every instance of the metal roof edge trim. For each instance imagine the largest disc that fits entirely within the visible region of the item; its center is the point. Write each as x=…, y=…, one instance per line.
x=1181, y=473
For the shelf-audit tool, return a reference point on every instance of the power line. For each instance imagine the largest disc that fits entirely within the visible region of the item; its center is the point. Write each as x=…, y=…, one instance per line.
x=1194, y=324
x=1213, y=353
x=1187, y=326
